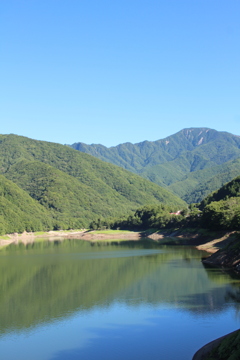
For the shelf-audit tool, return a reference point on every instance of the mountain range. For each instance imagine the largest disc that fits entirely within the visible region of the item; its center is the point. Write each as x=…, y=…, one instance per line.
x=191, y=163
x=49, y=186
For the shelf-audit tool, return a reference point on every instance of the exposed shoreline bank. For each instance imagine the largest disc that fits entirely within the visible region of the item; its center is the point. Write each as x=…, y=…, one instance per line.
x=209, y=242
x=29, y=237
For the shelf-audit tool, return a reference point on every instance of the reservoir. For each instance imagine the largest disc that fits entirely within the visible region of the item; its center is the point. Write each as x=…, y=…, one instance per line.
x=74, y=299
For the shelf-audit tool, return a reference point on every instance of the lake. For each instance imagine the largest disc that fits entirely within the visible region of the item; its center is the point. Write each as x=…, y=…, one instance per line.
x=133, y=300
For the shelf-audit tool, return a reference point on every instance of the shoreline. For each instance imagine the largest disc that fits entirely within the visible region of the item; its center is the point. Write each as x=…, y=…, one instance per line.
x=29, y=237
x=205, y=242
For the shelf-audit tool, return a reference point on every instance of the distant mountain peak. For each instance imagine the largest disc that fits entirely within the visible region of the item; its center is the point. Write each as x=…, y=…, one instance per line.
x=171, y=160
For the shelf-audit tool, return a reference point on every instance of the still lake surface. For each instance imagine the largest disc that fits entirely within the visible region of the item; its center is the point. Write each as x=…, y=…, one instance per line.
x=133, y=300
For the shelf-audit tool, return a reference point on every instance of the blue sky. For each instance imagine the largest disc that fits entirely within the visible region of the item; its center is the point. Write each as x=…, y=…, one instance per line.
x=104, y=71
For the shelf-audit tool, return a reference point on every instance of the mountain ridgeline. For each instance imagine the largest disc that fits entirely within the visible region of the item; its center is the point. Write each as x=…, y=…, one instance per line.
x=191, y=163
x=50, y=186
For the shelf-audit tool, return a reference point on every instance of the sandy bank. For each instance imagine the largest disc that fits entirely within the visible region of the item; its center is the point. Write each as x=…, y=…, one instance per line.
x=29, y=237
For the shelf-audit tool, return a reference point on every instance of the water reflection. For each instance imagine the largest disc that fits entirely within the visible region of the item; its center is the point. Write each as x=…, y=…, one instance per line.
x=47, y=281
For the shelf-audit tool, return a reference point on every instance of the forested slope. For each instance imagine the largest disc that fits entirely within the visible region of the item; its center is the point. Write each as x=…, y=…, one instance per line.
x=218, y=211
x=198, y=184
x=173, y=161
x=229, y=190
x=73, y=187
x=19, y=212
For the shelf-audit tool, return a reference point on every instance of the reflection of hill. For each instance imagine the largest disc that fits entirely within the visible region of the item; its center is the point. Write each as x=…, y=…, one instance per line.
x=186, y=286
x=45, y=281
x=39, y=286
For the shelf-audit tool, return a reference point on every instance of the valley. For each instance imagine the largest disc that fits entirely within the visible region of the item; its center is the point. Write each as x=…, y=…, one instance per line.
x=142, y=209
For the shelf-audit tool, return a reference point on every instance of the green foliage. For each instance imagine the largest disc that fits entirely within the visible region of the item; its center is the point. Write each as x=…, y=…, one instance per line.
x=231, y=189
x=223, y=214
x=74, y=188
x=195, y=186
x=221, y=209
x=229, y=348
x=19, y=212
x=148, y=217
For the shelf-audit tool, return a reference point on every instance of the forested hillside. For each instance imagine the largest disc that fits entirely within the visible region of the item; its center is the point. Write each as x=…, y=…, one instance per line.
x=72, y=188
x=19, y=212
x=198, y=184
x=184, y=162
x=218, y=211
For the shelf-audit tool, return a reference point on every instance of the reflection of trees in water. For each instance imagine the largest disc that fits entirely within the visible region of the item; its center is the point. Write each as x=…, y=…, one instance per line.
x=222, y=276
x=213, y=301
x=48, y=280
x=234, y=297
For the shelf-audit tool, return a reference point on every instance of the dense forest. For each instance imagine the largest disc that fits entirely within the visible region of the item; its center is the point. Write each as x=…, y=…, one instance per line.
x=51, y=186
x=218, y=211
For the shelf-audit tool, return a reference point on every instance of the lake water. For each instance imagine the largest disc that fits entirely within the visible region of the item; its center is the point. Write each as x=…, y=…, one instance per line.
x=135, y=300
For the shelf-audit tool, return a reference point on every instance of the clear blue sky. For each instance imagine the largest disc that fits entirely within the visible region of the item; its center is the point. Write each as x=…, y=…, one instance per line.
x=112, y=71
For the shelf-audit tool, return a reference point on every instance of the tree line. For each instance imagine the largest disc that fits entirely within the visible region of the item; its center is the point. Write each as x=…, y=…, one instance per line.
x=218, y=215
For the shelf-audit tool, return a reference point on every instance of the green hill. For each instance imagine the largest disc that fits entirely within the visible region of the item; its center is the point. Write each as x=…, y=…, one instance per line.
x=73, y=187
x=229, y=190
x=19, y=212
x=221, y=209
x=176, y=161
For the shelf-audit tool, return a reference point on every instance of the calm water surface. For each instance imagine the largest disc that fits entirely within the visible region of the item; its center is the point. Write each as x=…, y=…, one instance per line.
x=135, y=300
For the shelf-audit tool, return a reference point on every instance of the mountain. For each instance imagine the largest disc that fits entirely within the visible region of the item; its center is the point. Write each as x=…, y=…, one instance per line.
x=175, y=159
x=75, y=188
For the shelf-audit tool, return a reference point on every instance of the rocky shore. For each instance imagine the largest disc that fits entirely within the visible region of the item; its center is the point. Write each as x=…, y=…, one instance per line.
x=205, y=351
